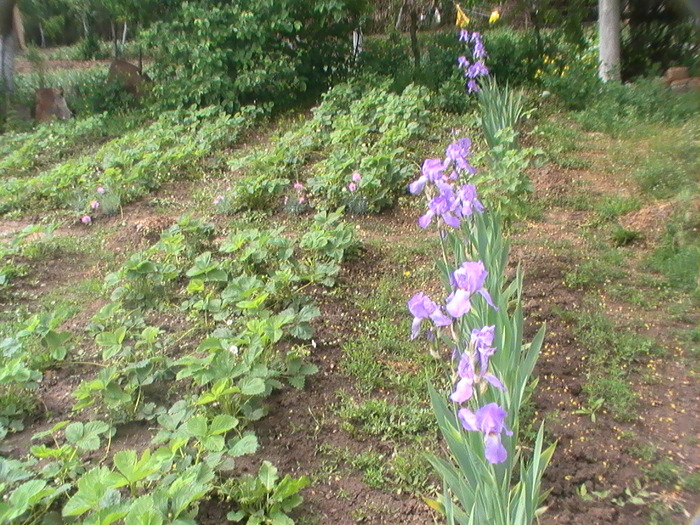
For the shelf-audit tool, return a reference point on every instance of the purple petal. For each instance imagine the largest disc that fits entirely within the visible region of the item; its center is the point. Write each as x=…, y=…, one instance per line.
x=467, y=418
x=417, y=185
x=440, y=319
x=421, y=306
x=415, y=327
x=451, y=220
x=463, y=391
x=487, y=296
x=494, y=451
x=424, y=220
x=459, y=303
x=494, y=381
x=491, y=418
x=433, y=168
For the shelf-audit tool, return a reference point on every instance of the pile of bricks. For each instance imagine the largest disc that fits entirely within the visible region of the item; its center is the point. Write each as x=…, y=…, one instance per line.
x=679, y=80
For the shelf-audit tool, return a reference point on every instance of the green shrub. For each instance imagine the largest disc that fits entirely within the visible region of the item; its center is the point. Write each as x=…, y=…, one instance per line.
x=513, y=56
x=651, y=46
x=263, y=51
x=619, y=105
x=572, y=76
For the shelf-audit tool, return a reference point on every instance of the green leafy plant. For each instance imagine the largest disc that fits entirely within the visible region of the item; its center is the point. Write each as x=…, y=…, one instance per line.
x=265, y=498
x=278, y=51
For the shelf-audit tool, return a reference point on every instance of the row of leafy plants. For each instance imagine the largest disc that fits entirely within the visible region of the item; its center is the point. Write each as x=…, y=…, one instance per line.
x=175, y=146
x=242, y=298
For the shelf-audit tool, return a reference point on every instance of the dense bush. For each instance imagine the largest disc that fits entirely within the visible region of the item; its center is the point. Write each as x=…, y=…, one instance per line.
x=514, y=56
x=658, y=34
x=263, y=51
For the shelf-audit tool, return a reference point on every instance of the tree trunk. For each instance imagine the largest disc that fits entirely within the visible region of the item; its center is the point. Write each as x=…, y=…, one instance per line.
x=399, y=18
x=42, y=42
x=8, y=45
x=124, y=35
x=414, y=35
x=609, y=37
x=8, y=49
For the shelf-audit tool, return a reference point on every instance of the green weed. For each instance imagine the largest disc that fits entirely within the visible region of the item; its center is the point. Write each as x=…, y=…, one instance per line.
x=400, y=422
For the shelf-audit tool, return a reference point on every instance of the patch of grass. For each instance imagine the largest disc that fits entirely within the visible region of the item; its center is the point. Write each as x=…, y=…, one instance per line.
x=610, y=353
x=381, y=356
x=396, y=422
x=663, y=471
x=672, y=166
x=623, y=237
x=372, y=464
x=559, y=139
x=643, y=451
x=678, y=256
x=406, y=469
x=599, y=267
x=612, y=207
x=692, y=481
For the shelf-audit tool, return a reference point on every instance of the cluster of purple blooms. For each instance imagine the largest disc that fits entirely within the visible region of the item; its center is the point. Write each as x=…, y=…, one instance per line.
x=473, y=363
x=452, y=206
x=477, y=68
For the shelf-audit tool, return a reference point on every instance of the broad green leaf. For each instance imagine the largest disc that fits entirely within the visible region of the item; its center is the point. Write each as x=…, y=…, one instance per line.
x=268, y=475
x=86, y=436
x=197, y=426
x=247, y=444
x=222, y=423
x=28, y=494
x=251, y=386
x=132, y=469
x=143, y=512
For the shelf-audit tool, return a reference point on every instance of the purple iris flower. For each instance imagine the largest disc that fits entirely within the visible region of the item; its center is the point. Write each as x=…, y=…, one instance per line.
x=468, y=279
x=469, y=202
x=477, y=69
x=458, y=152
x=444, y=205
x=463, y=62
x=421, y=307
x=490, y=420
x=482, y=341
x=464, y=35
x=472, y=86
x=464, y=389
x=479, y=51
x=432, y=170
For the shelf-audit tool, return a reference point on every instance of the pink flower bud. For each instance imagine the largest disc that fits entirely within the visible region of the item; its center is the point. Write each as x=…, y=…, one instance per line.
x=298, y=186
x=356, y=177
x=85, y=219
x=100, y=190
x=352, y=186
x=94, y=205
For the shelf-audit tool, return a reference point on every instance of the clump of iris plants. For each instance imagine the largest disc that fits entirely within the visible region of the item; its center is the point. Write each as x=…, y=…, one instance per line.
x=476, y=68
x=477, y=333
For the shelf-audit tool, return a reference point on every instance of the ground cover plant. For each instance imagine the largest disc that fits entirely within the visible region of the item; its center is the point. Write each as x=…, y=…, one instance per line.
x=207, y=317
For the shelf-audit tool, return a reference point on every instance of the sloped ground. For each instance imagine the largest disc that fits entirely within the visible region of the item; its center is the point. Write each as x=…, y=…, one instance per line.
x=616, y=458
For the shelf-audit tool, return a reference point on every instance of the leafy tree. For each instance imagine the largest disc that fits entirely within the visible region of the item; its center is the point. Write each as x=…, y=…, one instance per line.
x=251, y=51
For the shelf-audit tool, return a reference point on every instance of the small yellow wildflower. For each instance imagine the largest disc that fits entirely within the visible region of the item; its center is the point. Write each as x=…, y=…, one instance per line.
x=494, y=17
